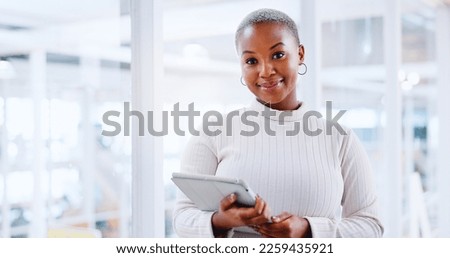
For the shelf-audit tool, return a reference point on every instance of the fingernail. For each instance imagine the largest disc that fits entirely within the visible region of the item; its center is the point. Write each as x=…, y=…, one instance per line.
x=275, y=219
x=231, y=196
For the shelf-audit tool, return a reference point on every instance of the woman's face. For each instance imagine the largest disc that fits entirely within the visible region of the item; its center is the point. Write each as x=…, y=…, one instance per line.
x=270, y=57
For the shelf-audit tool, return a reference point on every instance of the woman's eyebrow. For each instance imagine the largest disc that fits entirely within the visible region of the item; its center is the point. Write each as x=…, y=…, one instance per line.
x=276, y=45
x=272, y=47
x=247, y=52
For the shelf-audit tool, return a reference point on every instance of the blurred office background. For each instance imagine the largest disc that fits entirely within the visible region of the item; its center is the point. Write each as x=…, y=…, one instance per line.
x=63, y=64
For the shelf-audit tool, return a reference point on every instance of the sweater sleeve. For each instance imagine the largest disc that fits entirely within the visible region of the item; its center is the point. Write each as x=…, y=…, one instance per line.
x=359, y=202
x=199, y=158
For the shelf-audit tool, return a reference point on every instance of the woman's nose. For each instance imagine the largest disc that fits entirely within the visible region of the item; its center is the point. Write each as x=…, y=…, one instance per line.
x=267, y=70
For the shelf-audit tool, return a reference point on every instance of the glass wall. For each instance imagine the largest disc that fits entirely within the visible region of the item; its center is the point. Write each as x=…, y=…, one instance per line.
x=62, y=67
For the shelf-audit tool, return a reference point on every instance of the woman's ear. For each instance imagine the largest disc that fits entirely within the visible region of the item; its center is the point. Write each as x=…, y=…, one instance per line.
x=301, y=54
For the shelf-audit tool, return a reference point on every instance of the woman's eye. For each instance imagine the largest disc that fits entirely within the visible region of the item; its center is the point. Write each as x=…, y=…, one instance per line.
x=278, y=55
x=250, y=61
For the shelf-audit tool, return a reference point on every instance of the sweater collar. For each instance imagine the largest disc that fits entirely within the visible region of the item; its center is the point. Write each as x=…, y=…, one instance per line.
x=277, y=115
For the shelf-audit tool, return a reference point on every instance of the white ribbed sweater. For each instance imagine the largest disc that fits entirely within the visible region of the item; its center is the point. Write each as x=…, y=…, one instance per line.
x=325, y=179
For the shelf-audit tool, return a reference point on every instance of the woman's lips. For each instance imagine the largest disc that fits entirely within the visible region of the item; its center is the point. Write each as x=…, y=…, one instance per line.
x=271, y=84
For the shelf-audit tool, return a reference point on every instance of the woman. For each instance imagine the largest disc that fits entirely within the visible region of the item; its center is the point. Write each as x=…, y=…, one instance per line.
x=310, y=185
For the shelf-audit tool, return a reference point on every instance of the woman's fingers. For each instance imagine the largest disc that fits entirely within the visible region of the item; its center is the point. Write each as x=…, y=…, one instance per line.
x=282, y=217
x=230, y=215
x=227, y=202
x=259, y=205
x=257, y=215
x=264, y=232
x=279, y=223
x=291, y=226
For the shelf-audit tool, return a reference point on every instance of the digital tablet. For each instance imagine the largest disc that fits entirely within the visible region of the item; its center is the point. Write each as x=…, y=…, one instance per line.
x=207, y=191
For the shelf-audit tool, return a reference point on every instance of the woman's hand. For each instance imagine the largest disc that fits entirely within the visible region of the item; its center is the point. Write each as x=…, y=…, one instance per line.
x=285, y=225
x=230, y=215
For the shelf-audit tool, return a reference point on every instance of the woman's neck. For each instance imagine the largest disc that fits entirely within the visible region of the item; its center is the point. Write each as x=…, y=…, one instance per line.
x=291, y=105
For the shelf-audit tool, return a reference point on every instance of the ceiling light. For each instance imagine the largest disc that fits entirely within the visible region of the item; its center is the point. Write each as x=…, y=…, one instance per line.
x=413, y=78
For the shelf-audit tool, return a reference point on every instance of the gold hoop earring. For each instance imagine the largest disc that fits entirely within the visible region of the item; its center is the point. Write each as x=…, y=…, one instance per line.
x=306, y=69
